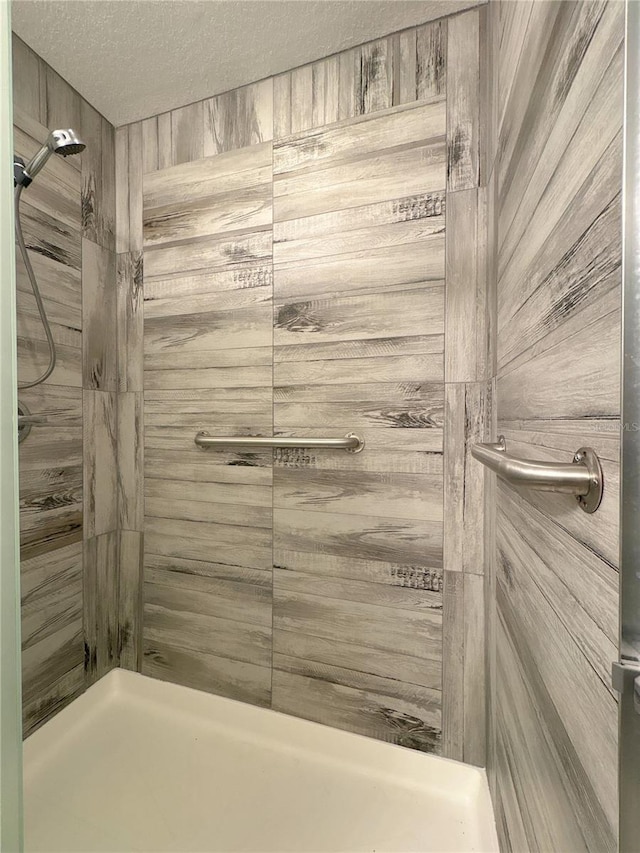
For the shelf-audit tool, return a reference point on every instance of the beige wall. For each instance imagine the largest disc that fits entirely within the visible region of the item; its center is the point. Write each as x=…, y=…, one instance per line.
x=553, y=592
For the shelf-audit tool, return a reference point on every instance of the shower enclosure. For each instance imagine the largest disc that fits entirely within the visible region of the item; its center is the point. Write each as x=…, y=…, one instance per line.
x=299, y=326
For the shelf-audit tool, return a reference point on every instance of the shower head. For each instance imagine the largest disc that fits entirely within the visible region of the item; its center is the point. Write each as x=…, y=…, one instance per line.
x=63, y=142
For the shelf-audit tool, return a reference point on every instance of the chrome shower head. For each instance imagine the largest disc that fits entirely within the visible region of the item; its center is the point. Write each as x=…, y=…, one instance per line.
x=63, y=142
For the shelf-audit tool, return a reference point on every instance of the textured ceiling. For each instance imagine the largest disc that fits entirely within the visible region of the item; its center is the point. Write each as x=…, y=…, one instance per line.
x=135, y=58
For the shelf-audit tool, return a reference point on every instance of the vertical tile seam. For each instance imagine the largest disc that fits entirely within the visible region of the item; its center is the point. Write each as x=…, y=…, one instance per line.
x=463, y=637
x=394, y=48
x=118, y=530
x=139, y=428
x=445, y=442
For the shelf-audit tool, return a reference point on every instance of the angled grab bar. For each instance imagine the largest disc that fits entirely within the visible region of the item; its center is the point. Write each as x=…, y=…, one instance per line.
x=582, y=477
x=351, y=442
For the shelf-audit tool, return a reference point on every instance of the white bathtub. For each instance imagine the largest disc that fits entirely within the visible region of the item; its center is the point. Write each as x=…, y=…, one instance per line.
x=139, y=764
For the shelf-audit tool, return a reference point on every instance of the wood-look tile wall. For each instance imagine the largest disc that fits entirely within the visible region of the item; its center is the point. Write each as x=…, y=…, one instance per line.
x=208, y=364
x=555, y=119
x=68, y=510
x=359, y=267
x=297, y=280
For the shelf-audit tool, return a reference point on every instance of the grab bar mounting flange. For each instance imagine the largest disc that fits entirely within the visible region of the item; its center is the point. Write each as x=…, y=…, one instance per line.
x=590, y=501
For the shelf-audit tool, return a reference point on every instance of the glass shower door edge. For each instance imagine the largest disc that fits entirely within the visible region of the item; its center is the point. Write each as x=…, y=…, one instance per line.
x=10, y=682
x=625, y=672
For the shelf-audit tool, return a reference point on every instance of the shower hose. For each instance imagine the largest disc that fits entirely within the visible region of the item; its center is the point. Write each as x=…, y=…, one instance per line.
x=36, y=293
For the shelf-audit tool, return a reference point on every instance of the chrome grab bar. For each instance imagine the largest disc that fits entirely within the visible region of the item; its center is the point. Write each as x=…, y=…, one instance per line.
x=582, y=477
x=351, y=442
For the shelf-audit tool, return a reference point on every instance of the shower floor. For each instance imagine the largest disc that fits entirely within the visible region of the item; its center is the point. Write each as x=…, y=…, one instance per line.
x=137, y=764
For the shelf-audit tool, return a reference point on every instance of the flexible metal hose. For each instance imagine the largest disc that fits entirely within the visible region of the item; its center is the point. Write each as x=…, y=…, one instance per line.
x=36, y=293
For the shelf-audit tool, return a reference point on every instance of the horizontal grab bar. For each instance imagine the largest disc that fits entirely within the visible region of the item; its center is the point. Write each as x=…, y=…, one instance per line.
x=351, y=442
x=582, y=477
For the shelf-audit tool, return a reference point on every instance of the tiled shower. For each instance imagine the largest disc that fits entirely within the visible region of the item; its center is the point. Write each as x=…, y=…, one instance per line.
x=403, y=240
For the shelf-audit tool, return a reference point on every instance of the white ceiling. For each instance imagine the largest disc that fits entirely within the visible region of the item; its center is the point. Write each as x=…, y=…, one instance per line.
x=136, y=58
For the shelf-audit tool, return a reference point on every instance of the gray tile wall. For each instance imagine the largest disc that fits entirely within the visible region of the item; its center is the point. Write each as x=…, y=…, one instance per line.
x=555, y=163
x=296, y=279
x=68, y=476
